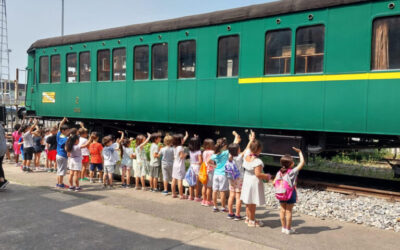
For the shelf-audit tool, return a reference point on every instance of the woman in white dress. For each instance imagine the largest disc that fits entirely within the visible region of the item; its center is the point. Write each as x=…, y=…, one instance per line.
x=253, y=186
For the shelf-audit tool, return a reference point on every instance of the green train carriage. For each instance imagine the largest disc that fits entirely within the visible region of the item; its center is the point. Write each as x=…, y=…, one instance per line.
x=322, y=71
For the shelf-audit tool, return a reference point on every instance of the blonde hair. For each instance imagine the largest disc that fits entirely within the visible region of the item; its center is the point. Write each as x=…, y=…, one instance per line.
x=168, y=140
x=82, y=131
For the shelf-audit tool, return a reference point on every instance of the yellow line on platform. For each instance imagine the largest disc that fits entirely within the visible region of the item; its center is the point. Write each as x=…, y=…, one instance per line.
x=321, y=78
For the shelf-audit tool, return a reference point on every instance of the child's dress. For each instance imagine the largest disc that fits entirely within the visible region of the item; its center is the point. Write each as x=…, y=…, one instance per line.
x=178, y=169
x=210, y=168
x=253, y=187
x=194, y=161
x=17, y=148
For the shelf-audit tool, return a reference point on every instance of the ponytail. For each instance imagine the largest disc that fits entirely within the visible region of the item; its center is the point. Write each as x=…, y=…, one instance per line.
x=221, y=143
x=286, y=163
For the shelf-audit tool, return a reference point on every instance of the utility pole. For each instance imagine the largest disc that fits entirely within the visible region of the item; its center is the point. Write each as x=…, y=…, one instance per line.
x=4, y=55
x=62, y=17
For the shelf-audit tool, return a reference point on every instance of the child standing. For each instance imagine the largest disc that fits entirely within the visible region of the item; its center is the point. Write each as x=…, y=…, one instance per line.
x=127, y=156
x=83, y=140
x=195, y=162
x=96, y=157
x=235, y=186
x=141, y=160
x=37, y=147
x=28, y=145
x=289, y=174
x=62, y=157
x=111, y=157
x=253, y=186
x=178, y=168
x=220, y=181
x=208, y=146
x=167, y=161
x=51, y=142
x=154, y=161
x=75, y=162
x=15, y=136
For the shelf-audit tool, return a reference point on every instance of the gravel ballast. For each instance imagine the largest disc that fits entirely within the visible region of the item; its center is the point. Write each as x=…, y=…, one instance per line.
x=372, y=212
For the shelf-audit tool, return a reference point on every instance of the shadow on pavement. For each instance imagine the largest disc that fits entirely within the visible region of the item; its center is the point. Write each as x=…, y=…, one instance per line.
x=33, y=218
x=315, y=230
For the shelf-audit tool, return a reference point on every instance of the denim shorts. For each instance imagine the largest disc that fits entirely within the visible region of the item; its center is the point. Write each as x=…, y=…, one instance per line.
x=292, y=199
x=94, y=166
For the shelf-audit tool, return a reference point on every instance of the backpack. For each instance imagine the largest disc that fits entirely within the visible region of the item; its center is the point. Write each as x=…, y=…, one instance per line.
x=283, y=189
x=231, y=170
x=203, y=176
x=190, y=177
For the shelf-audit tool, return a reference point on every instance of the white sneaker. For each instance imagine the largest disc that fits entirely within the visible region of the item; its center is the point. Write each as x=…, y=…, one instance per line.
x=290, y=231
x=283, y=230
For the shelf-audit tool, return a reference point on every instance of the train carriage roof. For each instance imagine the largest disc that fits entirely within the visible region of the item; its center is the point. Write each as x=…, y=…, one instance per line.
x=213, y=18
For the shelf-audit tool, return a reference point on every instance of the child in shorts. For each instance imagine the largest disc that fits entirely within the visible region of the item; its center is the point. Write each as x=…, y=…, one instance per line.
x=83, y=141
x=74, y=162
x=167, y=160
x=289, y=174
x=28, y=145
x=154, y=161
x=96, y=157
x=37, y=146
x=220, y=181
x=111, y=157
x=51, y=142
x=62, y=156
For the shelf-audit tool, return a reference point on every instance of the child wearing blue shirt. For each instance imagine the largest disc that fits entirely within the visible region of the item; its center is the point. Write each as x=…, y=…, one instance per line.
x=220, y=181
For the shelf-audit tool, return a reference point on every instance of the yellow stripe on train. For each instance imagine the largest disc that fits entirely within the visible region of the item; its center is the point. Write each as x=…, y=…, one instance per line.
x=321, y=78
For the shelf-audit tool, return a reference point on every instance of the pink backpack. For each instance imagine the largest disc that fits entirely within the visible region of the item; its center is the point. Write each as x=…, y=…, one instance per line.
x=283, y=189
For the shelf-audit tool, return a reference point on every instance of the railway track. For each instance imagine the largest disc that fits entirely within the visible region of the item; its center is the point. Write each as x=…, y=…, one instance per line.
x=347, y=184
x=352, y=190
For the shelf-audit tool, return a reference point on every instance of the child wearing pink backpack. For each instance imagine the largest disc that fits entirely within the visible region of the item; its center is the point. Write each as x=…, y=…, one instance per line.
x=285, y=188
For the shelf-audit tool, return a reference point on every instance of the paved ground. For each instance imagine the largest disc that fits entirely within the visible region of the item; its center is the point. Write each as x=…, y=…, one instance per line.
x=34, y=215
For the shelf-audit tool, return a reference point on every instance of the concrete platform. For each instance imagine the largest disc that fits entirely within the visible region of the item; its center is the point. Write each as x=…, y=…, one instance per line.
x=34, y=215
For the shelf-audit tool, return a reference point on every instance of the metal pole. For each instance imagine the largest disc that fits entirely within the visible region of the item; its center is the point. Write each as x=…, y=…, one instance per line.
x=62, y=17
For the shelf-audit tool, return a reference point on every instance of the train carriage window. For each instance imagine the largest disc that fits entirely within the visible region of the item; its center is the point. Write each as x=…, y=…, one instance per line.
x=119, y=64
x=187, y=59
x=228, y=56
x=141, y=62
x=55, y=69
x=44, y=69
x=71, y=67
x=386, y=43
x=103, y=65
x=84, y=67
x=159, y=61
x=278, y=52
x=310, y=49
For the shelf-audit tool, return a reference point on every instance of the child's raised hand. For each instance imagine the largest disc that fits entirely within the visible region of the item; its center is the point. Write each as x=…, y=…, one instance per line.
x=148, y=134
x=121, y=132
x=252, y=135
x=296, y=149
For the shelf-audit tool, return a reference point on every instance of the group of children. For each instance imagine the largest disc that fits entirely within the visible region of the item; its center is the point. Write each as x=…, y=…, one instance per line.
x=214, y=167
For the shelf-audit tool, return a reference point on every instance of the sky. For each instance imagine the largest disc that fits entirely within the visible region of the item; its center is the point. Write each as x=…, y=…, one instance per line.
x=31, y=20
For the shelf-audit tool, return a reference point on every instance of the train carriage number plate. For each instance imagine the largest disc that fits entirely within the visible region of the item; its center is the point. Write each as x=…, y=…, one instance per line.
x=49, y=97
